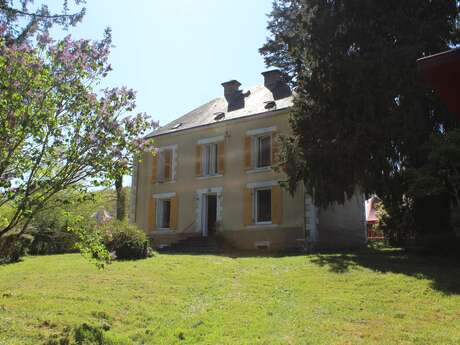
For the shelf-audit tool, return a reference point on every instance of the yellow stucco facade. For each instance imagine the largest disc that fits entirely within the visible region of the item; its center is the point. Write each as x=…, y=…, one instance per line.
x=229, y=187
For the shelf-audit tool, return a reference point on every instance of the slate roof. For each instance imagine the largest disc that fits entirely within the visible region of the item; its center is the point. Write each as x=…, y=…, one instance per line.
x=254, y=104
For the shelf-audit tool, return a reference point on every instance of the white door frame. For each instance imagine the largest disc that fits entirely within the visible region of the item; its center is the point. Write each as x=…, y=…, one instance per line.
x=204, y=214
x=201, y=211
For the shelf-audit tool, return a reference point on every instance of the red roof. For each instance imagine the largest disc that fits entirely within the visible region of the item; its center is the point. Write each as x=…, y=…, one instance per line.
x=442, y=71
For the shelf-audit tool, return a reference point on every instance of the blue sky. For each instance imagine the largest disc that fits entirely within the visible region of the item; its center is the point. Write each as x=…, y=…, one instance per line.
x=176, y=53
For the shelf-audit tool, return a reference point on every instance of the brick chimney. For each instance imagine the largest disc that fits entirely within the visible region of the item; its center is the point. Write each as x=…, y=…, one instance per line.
x=231, y=88
x=276, y=82
x=233, y=95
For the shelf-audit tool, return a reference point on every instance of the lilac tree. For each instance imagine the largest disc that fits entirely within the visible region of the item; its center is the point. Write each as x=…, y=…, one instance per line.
x=58, y=130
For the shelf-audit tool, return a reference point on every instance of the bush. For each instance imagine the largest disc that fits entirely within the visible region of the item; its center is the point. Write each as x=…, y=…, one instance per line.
x=12, y=248
x=51, y=241
x=126, y=240
x=85, y=334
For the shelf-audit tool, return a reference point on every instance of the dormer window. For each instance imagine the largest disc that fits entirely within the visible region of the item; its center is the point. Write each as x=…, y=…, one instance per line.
x=219, y=116
x=270, y=105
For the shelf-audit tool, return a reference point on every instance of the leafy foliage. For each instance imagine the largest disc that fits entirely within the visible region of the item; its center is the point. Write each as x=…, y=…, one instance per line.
x=126, y=240
x=19, y=22
x=58, y=130
x=361, y=116
x=13, y=247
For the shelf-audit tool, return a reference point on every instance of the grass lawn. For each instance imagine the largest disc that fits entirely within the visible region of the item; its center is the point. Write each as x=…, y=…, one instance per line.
x=368, y=297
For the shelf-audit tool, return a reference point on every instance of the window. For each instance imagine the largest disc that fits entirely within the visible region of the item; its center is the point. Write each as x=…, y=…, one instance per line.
x=263, y=151
x=165, y=165
x=260, y=149
x=163, y=213
x=210, y=159
x=263, y=205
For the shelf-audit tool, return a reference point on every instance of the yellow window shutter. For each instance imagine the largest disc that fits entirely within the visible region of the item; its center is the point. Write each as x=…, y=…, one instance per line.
x=277, y=205
x=221, y=157
x=154, y=168
x=275, y=148
x=247, y=153
x=198, y=165
x=173, y=214
x=152, y=210
x=168, y=165
x=247, y=205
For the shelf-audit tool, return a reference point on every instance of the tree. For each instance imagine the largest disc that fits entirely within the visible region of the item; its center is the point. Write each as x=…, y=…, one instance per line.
x=20, y=23
x=57, y=129
x=361, y=114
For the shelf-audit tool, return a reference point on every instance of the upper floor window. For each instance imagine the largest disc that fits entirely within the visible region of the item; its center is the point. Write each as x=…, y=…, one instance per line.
x=163, y=166
x=263, y=151
x=260, y=148
x=210, y=157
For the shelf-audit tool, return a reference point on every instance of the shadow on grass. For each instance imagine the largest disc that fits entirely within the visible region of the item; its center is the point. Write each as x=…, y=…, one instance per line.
x=444, y=273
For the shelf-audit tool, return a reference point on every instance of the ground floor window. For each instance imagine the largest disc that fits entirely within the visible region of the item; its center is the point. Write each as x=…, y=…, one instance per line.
x=163, y=213
x=263, y=205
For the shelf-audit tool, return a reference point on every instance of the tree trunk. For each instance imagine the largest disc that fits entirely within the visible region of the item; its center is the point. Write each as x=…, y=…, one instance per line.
x=121, y=198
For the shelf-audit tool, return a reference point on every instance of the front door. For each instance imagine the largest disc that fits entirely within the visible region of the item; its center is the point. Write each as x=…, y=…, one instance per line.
x=210, y=215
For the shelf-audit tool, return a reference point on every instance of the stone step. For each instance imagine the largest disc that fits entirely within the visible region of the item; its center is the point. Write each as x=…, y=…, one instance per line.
x=194, y=245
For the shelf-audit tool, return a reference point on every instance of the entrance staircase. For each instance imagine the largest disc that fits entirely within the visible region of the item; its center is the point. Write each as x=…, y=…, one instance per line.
x=195, y=244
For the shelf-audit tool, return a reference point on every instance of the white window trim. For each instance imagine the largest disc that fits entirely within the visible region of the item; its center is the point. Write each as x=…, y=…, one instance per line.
x=262, y=184
x=205, y=177
x=254, y=206
x=259, y=170
x=211, y=140
x=259, y=131
x=164, y=195
x=259, y=226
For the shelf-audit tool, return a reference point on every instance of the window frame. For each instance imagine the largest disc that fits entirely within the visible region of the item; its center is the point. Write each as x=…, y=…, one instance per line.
x=255, y=207
x=257, y=140
x=210, y=158
x=161, y=167
x=159, y=221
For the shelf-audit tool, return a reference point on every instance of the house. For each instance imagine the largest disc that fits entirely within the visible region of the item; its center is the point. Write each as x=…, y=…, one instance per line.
x=213, y=175
x=371, y=205
x=442, y=72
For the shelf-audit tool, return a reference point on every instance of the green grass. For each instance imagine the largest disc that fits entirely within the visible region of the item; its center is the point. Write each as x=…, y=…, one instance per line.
x=369, y=297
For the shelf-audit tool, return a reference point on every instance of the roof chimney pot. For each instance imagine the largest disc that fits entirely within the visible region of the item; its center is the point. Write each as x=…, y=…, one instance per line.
x=276, y=82
x=231, y=87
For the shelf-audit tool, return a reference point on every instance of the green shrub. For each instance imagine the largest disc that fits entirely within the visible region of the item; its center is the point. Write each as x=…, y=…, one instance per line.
x=84, y=334
x=126, y=240
x=12, y=248
x=52, y=241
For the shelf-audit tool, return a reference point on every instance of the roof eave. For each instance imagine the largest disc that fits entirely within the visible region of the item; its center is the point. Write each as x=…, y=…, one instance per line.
x=265, y=113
